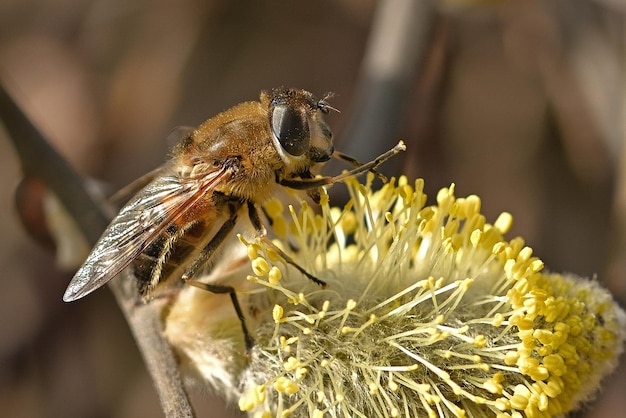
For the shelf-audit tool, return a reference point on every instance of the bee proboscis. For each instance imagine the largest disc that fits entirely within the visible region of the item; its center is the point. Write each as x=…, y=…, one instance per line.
x=230, y=164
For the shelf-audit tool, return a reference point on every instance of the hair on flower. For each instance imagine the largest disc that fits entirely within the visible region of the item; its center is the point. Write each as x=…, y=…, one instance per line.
x=429, y=311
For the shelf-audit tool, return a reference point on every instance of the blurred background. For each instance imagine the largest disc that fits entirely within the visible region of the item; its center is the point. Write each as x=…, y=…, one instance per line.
x=520, y=102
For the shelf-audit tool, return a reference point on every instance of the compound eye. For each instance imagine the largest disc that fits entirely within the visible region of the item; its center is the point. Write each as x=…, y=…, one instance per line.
x=291, y=128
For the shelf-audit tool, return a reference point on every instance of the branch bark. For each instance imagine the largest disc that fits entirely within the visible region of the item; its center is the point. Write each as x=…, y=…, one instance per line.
x=40, y=160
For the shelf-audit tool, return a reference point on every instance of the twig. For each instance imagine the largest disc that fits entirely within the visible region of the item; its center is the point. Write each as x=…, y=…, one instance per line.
x=39, y=159
x=399, y=38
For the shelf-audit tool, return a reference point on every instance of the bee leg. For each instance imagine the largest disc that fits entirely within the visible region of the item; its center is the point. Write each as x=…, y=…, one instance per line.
x=304, y=183
x=253, y=214
x=355, y=163
x=205, y=256
x=314, y=193
x=249, y=341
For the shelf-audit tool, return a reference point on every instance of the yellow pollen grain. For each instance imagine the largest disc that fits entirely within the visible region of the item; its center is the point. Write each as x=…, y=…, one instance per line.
x=320, y=396
x=538, y=373
x=260, y=394
x=301, y=372
x=284, y=385
x=498, y=319
x=543, y=402
x=251, y=249
x=475, y=237
x=291, y=364
x=392, y=385
x=277, y=313
x=472, y=205
x=504, y=222
x=274, y=275
x=525, y=254
x=373, y=388
x=492, y=386
x=502, y=404
x=511, y=357
x=260, y=267
x=498, y=248
x=272, y=255
x=245, y=404
x=520, y=397
x=554, y=388
x=479, y=341
x=555, y=364
x=536, y=266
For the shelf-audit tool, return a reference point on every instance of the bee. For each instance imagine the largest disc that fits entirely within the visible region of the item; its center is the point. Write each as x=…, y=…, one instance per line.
x=220, y=172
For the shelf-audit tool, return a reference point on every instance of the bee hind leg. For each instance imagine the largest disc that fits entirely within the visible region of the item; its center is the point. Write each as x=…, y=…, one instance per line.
x=204, y=257
x=249, y=341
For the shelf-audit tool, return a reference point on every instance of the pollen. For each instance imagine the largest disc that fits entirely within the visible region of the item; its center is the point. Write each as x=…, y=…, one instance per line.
x=277, y=313
x=503, y=223
x=284, y=385
x=274, y=275
x=429, y=310
x=291, y=364
x=260, y=267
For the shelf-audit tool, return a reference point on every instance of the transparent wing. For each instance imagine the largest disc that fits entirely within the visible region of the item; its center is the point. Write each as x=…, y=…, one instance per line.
x=124, y=194
x=154, y=208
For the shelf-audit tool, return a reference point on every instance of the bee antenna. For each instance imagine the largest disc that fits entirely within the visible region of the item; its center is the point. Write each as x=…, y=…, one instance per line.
x=324, y=106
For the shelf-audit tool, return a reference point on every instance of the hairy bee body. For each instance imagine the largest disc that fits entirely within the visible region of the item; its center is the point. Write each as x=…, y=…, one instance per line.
x=241, y=137
x=234, y=161
x=166, y=257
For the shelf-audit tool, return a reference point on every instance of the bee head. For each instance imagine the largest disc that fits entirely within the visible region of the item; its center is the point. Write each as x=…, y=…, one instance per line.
x=300, y=134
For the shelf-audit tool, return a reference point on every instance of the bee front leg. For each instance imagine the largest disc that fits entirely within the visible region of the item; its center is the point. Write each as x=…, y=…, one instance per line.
x=355, y=163
x=207, y=252
x=253, y=214
x=310, y=183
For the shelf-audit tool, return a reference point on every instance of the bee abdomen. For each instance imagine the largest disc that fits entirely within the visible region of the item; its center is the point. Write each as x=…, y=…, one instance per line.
x=163, y=258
